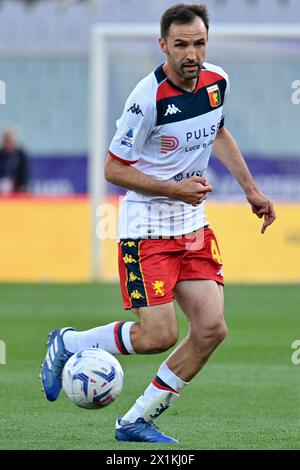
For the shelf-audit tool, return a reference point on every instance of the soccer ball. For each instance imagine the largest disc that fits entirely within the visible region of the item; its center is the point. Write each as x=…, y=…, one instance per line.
x=92, y=378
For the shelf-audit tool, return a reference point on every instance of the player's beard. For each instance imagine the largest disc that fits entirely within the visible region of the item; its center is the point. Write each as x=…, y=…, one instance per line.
x=183, y=70
x=192, y=74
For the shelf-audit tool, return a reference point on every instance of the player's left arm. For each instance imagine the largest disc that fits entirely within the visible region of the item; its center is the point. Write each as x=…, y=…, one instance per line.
x=227, y=151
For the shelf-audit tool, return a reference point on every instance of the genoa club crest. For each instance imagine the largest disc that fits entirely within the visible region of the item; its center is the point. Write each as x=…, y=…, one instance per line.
x=214, y=96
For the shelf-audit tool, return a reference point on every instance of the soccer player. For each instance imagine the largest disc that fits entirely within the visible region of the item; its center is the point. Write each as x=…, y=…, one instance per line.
x=171, y=122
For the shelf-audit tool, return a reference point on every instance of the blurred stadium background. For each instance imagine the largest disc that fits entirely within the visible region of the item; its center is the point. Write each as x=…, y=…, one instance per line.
x=248, y=396
x=45, y=63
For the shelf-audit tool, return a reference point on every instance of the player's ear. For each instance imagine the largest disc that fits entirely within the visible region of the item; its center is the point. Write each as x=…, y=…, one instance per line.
x=163, y=45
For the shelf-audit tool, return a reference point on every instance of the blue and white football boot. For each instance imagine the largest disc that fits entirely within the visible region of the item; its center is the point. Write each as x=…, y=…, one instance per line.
x=141, y=431
x=54, y=362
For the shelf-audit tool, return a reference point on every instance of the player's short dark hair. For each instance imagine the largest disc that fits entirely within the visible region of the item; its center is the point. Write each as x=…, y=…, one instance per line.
x=182, y=14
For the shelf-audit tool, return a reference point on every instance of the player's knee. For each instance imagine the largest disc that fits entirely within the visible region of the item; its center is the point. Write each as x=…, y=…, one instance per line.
x=216, y=334
x=220, y=332
x=210, y=336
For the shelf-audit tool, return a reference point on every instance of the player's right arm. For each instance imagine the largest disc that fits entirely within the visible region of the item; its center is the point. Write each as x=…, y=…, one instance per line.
x=192, y=191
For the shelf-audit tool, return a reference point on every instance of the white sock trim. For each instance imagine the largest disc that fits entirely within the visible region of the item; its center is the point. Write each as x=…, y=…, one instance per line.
x=170, y=378
x=126, y=336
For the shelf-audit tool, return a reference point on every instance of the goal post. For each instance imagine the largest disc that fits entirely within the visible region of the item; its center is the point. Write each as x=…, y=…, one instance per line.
x=99, y=104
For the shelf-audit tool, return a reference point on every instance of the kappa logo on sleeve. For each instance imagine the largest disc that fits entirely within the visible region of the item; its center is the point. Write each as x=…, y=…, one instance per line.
x=135, y=109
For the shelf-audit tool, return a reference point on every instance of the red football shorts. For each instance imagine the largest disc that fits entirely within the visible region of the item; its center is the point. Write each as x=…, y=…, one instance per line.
x=150, y=269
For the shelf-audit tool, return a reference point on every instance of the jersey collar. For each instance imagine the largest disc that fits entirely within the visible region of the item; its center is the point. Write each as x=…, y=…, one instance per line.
x=161, y=76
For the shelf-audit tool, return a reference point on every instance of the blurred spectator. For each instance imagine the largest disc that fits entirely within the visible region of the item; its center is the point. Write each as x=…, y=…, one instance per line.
x=13, y=165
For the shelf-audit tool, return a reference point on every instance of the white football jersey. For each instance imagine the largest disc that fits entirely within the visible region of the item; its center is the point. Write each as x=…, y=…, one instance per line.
x=168, y=133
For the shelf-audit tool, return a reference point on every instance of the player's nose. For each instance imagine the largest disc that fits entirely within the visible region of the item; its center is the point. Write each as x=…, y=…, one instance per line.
x=191, y=55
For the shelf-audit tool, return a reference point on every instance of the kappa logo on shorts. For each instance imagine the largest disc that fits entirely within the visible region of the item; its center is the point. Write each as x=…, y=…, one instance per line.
x=128, y=259
x=133, y=277
x=136, y=295
x=130, y=244
x=159, y=288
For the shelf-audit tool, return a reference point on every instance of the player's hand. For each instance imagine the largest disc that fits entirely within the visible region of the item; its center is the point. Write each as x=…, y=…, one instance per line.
x=192, y=191
x=262, y=207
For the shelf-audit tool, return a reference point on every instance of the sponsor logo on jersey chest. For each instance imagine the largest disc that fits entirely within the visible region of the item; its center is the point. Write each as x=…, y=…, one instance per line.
x=172, y=109
x=168, y=143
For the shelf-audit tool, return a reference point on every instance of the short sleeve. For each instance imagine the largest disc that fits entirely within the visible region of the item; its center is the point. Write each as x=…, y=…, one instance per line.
x=133, y=129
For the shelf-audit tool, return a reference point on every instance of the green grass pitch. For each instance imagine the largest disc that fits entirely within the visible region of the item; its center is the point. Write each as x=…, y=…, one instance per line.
x=247, y=396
